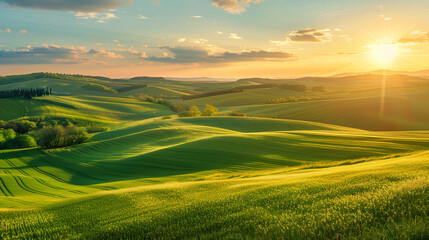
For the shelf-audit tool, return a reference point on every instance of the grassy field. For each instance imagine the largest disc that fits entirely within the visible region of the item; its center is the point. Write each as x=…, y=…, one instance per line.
x=321, y=170
x=380, y=199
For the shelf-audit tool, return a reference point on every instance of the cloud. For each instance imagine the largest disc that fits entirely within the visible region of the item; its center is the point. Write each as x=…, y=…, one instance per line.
x=234, y=6
x=105, y=54
x=199, y=55
x=181, y=40
x=8, y=30
x=310, y=35
x=234, y=36
x=23, y=31
x=69, y=5
x=415, y=37
x=196, y=17
x=100, y=17
x=47, y=54
x=143, y=17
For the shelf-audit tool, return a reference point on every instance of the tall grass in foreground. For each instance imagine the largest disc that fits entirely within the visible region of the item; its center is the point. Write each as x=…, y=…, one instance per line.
x=385, y=199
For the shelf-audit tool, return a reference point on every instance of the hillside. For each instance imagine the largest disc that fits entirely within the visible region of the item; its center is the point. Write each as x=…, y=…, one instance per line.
x=384, y=196
x=275, y=173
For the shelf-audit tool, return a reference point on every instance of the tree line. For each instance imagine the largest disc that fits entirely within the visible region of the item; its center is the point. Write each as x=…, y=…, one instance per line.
x=27, y=93
x=46, y=133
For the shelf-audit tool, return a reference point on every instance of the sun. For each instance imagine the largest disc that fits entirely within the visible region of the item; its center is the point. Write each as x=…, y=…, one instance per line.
x=384, y=54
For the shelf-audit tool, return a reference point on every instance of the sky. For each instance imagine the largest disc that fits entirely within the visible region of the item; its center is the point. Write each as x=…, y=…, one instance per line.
x=213, y=38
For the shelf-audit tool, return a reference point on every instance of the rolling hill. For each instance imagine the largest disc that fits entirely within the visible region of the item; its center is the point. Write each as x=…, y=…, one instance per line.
x=333, y=168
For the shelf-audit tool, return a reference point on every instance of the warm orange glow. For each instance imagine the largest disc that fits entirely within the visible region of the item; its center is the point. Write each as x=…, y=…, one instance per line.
x=384, y=54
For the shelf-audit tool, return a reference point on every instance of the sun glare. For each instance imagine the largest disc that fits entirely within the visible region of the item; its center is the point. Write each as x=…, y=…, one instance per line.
x=384, y=54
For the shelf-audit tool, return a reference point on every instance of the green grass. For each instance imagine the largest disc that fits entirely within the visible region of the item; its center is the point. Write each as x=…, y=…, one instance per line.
x=98, y=88
x=363, y=113
x=380, y=199
x=247, y=97
x=158, y=151
x=323, y=175
x=98, y=109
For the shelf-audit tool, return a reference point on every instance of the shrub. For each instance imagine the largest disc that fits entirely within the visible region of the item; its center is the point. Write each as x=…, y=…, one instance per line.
x=21, y=126
x=237, y=114
x=167, y=117
x=210, y=110
x=97, y=129
x=22, y=141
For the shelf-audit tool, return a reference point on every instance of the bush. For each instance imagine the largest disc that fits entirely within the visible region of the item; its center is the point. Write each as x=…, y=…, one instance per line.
x=237, y=114
x=193, y=112
x=58, y=136
x=167, y=117
x=21, y=126
x=97, y=129
x=22, y=141
x=210, y=110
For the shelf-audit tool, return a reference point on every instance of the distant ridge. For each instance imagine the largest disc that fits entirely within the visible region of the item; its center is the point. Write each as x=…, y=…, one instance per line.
x=421, y=73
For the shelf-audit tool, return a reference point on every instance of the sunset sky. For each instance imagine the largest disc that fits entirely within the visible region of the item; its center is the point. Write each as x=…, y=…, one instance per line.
x=212, y=38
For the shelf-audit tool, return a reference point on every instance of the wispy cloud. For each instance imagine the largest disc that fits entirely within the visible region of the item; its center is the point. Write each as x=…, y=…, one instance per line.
x=104, y=53
x=310, y=35
x=46, y=54
x=234, y=36
x=234, y=6
x=415, y=37
x=68, y=5
x=200, y=55
x=100, y=17
x=143, y=17
x=196, y=17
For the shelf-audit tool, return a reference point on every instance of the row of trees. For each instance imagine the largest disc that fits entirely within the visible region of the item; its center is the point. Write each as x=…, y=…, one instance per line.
x=292, y=99
x=172, y=106
x=194, y=111
x=26, y=93
x=45, y=132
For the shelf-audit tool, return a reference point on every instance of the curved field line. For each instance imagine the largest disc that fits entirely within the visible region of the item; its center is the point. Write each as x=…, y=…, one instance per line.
x=41, y=181
x=24, y=186
x=4, y=189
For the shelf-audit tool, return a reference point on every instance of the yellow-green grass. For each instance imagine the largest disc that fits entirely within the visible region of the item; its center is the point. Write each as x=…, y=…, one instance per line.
x=63, y=87
x=399, y=113
x=90, y=108
x=98, y=88
x=247, y=97
x=379, y=199
x=178, y=150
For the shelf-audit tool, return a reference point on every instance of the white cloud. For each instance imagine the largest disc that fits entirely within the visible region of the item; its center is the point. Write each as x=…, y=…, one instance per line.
x=234, y=36
x=196, y=17
x=181, y=40
x=100, y=17
x=143, y=17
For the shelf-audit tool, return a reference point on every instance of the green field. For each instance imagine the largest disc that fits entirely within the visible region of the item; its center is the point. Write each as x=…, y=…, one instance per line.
x=333, y=168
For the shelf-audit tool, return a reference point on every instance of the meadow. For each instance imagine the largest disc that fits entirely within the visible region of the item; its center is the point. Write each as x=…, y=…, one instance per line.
x=332, y=168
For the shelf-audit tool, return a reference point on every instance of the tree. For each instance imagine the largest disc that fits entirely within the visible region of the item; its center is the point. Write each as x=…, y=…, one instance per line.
x=23, y=141
x=75, y=135
x=8, y=134
x=195, y=112
x=49, y=137
x=210, y=110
